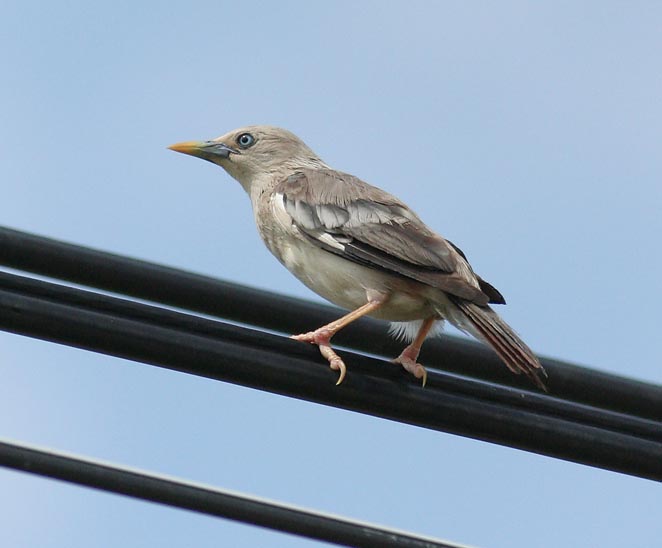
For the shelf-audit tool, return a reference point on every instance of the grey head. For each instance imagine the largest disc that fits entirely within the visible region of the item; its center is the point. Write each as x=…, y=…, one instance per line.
x=252, y=153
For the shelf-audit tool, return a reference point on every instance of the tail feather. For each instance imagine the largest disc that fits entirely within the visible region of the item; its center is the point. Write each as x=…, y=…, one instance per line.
x=517, y=356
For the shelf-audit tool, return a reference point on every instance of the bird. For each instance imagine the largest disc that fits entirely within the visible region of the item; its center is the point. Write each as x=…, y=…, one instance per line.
x=360, y=248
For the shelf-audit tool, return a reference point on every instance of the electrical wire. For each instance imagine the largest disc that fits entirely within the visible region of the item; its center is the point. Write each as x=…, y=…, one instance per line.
x=236, y=302
x=207, y=500
x=508, y=416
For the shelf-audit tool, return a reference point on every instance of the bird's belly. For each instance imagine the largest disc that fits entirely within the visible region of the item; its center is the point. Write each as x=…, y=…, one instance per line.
x=345, y=283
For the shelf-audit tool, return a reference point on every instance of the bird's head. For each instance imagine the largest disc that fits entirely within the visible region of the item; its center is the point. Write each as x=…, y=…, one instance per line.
x=254, y=154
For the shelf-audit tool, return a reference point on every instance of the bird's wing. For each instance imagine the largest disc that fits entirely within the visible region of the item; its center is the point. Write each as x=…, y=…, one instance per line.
x=364, y=224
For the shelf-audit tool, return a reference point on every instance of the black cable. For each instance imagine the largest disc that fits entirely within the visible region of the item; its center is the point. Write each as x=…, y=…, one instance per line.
x=208, y=500
x=507, y=416
x=239, y=303
x=160, y=317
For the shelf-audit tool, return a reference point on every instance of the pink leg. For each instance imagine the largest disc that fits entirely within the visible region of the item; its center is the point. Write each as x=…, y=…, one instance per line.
x=322, y=336
x=409, y=355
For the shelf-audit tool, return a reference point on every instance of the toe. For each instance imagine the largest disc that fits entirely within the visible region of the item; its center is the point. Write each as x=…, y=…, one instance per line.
x=303, y=337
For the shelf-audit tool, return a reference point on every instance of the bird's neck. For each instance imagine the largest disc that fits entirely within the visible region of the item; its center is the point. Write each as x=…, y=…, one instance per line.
x=256, y=184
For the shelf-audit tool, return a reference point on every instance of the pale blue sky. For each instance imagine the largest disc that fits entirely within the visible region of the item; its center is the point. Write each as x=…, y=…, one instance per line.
x=527, y=132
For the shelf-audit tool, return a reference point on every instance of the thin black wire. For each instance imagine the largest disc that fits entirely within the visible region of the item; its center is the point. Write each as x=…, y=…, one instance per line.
x=190, y=344
x=207, y=500
x=239, y=303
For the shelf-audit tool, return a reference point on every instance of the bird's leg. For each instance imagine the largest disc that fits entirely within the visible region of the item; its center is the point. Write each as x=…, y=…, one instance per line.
x=409, y=355
x=322, y=336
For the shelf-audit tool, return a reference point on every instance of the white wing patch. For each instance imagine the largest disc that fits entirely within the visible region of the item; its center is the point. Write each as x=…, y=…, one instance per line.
x=328, y=239
x=315, y=222
x=332, y=216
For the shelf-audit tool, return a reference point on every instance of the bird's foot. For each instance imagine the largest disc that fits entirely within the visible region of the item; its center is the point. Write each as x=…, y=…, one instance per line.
x=408, y=360
x=322, y=338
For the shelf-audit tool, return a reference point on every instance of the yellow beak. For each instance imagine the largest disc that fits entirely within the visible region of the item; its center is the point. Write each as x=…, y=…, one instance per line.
x=207, y=150
x=188, y=147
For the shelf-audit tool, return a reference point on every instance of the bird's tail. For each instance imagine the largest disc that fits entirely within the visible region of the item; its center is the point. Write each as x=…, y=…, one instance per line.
x=488, y=326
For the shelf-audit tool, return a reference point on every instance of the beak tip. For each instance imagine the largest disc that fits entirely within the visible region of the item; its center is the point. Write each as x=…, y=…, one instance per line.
x=186, y=147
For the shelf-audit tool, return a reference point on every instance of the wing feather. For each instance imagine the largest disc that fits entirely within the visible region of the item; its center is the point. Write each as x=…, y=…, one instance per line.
x=364, y=224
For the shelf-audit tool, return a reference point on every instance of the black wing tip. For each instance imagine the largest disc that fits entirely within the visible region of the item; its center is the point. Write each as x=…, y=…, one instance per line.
x=494, y=295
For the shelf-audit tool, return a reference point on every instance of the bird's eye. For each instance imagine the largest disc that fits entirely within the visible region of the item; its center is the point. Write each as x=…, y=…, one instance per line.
x=245, y=140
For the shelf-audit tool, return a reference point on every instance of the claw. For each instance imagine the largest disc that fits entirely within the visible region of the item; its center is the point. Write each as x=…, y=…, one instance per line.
x=335, y=361
x=321, y=338
x=410, y=365
x=339, y=365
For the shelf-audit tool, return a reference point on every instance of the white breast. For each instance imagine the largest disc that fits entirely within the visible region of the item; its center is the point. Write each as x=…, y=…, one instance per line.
x=338, y=280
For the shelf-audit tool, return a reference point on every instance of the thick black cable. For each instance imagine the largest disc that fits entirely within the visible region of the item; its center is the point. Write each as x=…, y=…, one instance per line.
x=207, y=500
x=507, y=416
x=247, y=305
x=534, y=402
